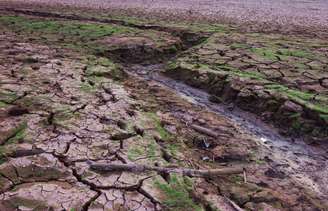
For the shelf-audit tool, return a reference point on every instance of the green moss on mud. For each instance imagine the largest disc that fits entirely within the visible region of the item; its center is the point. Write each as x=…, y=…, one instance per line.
x=159, y=128
x=309, y=100
x=102, y=67
x=177, y=193
x=266, y=53
x=243, y=74
x=295, y=53
x=135, y=152
x=3, y=156
x=3, y=105
x=280, y=54
x=7, y=97
x=18, y=133
x=238, y=46
x=68, y=34
x=88, y=31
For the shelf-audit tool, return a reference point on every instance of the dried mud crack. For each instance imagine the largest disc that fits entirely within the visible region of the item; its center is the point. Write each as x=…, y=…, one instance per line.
x=80, y=89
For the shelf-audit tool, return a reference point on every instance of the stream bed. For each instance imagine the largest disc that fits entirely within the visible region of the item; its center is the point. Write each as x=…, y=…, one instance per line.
x=306, y=165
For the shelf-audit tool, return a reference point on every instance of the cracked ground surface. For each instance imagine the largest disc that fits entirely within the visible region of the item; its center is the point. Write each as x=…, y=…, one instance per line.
x=48, y=165
x=75, y=90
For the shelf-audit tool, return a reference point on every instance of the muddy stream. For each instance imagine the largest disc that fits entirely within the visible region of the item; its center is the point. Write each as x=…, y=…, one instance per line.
x=305, y=164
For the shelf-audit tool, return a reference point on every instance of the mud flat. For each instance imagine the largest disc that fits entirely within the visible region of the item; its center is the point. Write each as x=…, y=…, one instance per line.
x=289, y=12
x=78, y=88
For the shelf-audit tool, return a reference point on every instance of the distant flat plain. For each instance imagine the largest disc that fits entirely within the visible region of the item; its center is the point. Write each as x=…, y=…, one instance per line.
x=296, y=12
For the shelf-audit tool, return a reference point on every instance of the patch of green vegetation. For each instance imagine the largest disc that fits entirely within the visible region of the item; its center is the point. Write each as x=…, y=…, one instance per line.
x=3, y=156
x=300, y=66
x=295, y=53
x=172, y=65
x=295, y=115
x=296, y=125
x=70, y=34
x=135, y=152
x=173, y=49
x=87, y=87
x=177, y=193
x=63, y=115
x=246, y=74
x=105, y=62
x=243, y=74
x=173, y=148
x=7, y=97
x=266, y=53
x=324, y=116
x=118, y=74
x=2, y=160
x=68, y=28
x=3, y=105
x=259, y=162
x=201, y=66
x=238, y=46
x=237, y=179
x=105, y=68
x=309, y=100
x=18, y=133
x=151, y=148
x=275, y=54
x=226, y=67
x=159, y=128
x=296, y=93
x=207, y=28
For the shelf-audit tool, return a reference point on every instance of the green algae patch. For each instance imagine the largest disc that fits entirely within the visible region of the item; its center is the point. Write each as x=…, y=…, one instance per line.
x=17, y=133
x=102, y=67
x=69, y=34
x=280, y=54
x=238, y=46
x=7, y=97
x=295, y=53
x=309, y=100
x=3, y=105
x=135, y=152
x=159, y=128
x=243, y=74
x=66, y=28
x=266, y=53
x=177, y=193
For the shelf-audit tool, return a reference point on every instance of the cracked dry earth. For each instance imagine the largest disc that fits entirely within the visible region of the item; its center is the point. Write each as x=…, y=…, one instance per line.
x=61, y=127
x=75, y=91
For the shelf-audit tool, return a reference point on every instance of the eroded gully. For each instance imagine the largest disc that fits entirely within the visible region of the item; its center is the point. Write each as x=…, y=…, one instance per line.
x=306, y=165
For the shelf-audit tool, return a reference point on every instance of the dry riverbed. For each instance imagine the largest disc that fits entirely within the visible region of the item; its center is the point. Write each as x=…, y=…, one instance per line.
x=84, y=87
